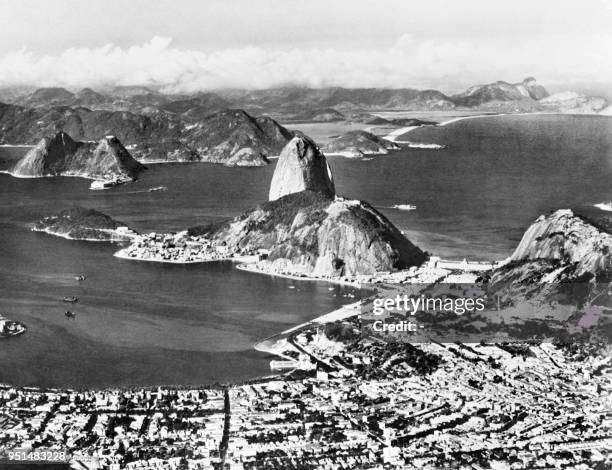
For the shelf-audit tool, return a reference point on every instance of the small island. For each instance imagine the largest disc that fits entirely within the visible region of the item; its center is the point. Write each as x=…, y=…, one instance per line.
x=357, y=144
x=79, y=223
x=10, y=328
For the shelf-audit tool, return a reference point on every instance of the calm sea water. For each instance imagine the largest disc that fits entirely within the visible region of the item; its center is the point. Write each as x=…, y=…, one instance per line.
x=142, y=323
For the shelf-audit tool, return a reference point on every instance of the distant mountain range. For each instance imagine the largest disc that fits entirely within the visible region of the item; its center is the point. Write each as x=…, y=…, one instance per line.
x=312, y=104
x=239, y=127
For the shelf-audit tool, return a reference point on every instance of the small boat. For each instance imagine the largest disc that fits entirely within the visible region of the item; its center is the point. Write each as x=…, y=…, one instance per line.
x=69, y=314
x=158, y=188
x=70, y=299
x=404, y=207
x=80, y=277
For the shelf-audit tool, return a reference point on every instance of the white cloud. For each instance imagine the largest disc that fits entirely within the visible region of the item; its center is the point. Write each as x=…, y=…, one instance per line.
x=449, y=65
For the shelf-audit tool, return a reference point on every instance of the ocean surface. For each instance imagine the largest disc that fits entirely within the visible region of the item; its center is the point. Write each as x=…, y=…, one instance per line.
x=142, y=323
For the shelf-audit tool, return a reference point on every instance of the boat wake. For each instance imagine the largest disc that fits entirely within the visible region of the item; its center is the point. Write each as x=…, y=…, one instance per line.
x=604, y=206
x=420, y=145
x=404, y=207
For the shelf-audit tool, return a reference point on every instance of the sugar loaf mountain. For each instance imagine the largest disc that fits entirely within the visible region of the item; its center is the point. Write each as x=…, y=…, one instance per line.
x=309, y=230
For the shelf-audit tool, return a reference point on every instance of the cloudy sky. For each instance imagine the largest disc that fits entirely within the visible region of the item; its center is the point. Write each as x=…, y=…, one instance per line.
x=188, y=45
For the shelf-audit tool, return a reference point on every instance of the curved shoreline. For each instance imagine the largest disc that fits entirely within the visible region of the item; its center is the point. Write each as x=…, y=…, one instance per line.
x=394, y=135
x=252, y=268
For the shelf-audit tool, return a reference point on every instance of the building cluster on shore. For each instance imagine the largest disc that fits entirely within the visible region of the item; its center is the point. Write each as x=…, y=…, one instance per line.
x=367, y=405
x=183, y=248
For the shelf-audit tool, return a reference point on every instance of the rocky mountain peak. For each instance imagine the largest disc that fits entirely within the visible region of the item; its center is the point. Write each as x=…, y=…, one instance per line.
x=567, y=238
x=301, y=166
x=535, y=90
x=59, y=154
x=60, y=139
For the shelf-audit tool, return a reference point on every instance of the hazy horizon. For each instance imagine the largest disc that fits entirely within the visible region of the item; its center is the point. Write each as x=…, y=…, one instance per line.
x=186, y=46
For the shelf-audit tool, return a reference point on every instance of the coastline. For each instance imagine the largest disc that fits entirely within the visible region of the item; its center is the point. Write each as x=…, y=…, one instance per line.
x=254, y=269
x=121, y=237
x=144, y=161
x=394, y=135
x=342, y=313
x=67, y=175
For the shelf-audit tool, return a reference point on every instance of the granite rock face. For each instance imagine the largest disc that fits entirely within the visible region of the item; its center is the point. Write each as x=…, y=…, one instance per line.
x=310, y=233
x=568, y=239
x=61, y=155
x=301, y=166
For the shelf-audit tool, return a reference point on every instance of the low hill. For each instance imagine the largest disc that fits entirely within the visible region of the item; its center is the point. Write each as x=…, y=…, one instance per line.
x=356, y=144
x=46, y=97
x=318, y=115
x=80, y=224
x=235, y=138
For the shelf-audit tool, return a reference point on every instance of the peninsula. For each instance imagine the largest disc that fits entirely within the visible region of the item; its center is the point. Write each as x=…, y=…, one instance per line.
x=305, y=230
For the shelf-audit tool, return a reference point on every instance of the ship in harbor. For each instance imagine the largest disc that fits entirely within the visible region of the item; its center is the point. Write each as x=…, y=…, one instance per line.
x=10, y=328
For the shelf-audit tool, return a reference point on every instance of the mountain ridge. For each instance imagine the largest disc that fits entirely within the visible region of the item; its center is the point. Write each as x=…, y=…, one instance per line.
x=299, y=102
x=231, y=137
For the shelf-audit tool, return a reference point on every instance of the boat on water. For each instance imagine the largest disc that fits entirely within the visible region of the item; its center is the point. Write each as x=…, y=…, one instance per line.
x=69, y=314
x=605, y=206
x=404, y=207
x=158, y=188
x=80, y=277
x=98, y=185
x=70, y=299
x=10, y=328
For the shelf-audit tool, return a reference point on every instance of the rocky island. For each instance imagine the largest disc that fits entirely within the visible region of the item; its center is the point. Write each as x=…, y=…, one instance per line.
x=60, y=155
x=79, y=223
x=357, y=144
